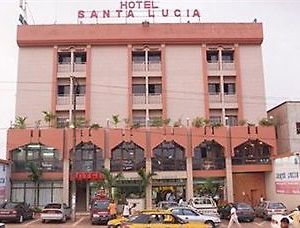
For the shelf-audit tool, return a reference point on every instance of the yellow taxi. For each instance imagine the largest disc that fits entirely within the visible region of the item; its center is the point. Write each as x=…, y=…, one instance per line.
x=154, y=218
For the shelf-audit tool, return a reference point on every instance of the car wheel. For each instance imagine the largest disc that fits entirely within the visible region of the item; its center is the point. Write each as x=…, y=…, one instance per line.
x=21, y=219
x=43, y=221
x=210, y=224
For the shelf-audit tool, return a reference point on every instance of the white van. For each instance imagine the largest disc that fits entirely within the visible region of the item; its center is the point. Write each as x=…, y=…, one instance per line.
x=204, y=205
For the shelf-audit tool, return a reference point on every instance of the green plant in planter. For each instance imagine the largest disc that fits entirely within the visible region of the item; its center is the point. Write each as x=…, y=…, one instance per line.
x=178, y=123
x=199, y=122
x=242, y=122
x=267, y=122
x=49, y=117
x=95, y=126
x=216, y=124
x=20, y=122
x=116, y=120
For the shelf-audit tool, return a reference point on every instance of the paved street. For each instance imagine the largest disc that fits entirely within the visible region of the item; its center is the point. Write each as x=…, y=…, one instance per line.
x=85, y=222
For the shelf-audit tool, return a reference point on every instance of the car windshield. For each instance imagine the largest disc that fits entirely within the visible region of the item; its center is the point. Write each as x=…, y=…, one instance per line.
x=53, y=206
x=276, y=206
x=101, y=204
x=9, y=205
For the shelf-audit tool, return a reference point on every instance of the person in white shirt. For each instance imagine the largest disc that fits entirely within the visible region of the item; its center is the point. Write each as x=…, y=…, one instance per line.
x=233, y=217
x=126, y=211
x=180, y=202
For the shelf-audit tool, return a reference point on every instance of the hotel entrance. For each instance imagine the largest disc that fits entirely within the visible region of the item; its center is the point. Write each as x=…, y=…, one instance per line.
x=81, y=196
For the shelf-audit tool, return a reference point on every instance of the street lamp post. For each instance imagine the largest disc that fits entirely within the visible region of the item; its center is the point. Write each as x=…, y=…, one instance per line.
x=73, y=198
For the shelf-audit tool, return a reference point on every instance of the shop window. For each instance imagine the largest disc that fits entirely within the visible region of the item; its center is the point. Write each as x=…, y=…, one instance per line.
x=168, y=156
x=127, y=156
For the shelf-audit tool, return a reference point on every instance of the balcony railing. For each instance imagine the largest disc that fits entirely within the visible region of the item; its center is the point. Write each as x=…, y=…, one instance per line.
x=154, y=98
x=213, y=66
x=228, y=65
x=139, y=98
x=251, y=160
x=64, y=67
x=139, y=66
x=126, y=165
x=215, y=98
x=65, y=100
x=154, y=66
x=209, y=164
x=46, y=166
x=79, y=67
x=232, y=98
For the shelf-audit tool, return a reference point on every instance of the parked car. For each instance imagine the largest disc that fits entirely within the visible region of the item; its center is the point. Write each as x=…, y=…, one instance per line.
x=99, y=211
x=204, y=205
x=56, y=212
x=190, y=215
x=15, y=211
x=2, y=225
x=161, y=219
x=164, y=205
x=275, y=220
x=244, y=211
x=268, y=208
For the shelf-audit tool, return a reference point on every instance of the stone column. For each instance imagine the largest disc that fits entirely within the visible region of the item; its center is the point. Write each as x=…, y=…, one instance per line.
x=189, y=181
x=149, y=187
x=229, y=181
x=66, y=184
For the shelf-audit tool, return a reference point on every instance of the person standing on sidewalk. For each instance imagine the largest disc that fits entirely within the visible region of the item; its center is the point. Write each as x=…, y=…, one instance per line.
x=126, y=211
x=112, y=207
x=233, y=217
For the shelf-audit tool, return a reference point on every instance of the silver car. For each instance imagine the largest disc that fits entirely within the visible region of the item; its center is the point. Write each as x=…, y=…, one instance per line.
x=56, y=211
x=190, y=215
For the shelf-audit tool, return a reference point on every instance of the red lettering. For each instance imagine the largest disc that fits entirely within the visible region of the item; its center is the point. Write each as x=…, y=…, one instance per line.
x=196, y=13
x=80, y=14
x=139, y=4
x=106, y=13
x=130, y=13
x=153, y=6
x=119, y=12
x=131, y=5
x=149, y=13
x=165, y=14
x=123, y=4
x=94, y=14
x=147, y=4
x=177, y=13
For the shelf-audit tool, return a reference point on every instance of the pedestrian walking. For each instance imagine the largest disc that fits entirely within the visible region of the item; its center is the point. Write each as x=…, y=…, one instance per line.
x=233, y=217
x=126, y=210
x=112, y=207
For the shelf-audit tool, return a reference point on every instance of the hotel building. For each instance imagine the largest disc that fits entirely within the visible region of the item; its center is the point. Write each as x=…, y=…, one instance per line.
x=149, y=75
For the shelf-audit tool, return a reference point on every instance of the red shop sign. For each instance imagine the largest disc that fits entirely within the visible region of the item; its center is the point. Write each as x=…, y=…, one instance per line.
x=93, y=176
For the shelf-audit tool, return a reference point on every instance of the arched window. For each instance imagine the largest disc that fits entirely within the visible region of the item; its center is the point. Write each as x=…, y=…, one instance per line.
x=45, y=158
x=88, y=157
x=208, y=155
x=127, y=156
x=168, y=156
x=252, y=152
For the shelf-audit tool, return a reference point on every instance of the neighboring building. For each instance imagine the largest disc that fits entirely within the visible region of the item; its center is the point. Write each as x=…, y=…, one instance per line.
x=283, y=184
x=146, y=74
x=4, y=180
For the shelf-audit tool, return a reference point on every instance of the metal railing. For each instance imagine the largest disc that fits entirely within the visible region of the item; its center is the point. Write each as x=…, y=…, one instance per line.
x=228, y=66
x=66, y=67
x=139, y=67
x=154, y=66
x=230, y=98
x=79, y=67
x=65, y=100
x=213, y=66
x=154, y=98
x=215, y=98
x=139, y=98
x=142, y=66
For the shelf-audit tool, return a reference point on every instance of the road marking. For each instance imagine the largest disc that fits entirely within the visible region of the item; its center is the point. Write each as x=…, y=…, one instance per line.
x=29, y=223
x=260, y=224
x=79, y=221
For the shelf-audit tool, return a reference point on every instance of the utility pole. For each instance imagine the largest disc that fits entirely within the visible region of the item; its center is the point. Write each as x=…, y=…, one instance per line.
x=73, y=198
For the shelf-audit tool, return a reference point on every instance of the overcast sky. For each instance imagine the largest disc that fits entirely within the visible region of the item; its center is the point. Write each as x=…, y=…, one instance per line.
x=281, y=46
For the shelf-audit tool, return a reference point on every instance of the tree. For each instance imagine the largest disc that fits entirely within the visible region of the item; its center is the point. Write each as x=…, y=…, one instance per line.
x=48, y=117
x=146, y=179
x=35, y=175
x=116, y=120
x=110, y=181
x=20, y=122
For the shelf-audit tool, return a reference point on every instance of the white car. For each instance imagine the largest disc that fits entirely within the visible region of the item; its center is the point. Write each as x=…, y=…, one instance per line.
x=190, y=215
x=204, y=205
x=275, y=220
x=56, y=211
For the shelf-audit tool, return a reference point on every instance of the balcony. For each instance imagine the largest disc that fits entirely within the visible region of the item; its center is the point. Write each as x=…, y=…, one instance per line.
x=140, y=102
x=139, y=66
x=64, y=67
x=154, y=98
x=64, y=70
x=63, y=102
x=230, y=98
x=138, y=99
x=79, y=67
x=215, y=98
x=213, y=66
x=153, y=68
x=209, y=164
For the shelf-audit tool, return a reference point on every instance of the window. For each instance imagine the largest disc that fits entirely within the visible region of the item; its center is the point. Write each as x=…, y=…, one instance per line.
x=79, y=57
x=154, y=57
x=138, y=57
x=154, y=88
x=62, y=122
x=232, y=120
x=212, y=56
x=229, y=88
x=168, y=156
x=139, y=89
x=63, y=90
x=80, y=90
x=213, y=88
x=215, y=119
x=139, y=120
x=227, y=56
x=298, y=128
x=127, y=156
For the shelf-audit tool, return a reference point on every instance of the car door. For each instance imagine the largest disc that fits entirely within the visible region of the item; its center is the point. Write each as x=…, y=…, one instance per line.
x=189, y=215
x=178, y=212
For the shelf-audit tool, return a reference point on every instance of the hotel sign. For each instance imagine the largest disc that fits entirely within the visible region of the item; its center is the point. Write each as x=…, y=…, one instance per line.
x=132, y=9
x=287, y=175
